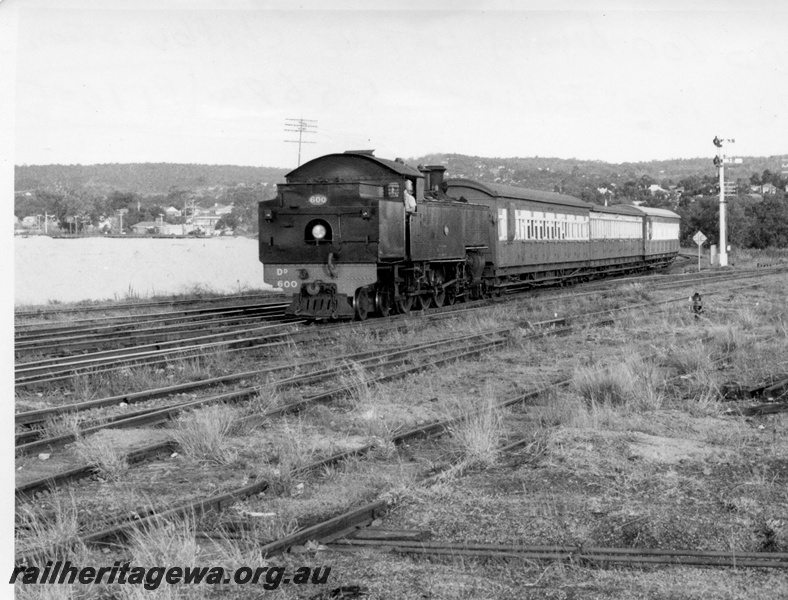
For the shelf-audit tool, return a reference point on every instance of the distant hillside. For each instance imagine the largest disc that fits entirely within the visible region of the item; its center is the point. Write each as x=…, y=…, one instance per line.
x=140, y=178
x=81, y=197
x=572, y=175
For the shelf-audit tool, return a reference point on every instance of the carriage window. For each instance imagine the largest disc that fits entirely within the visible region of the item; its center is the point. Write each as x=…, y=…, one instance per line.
x=503, y=230
x=393, y=190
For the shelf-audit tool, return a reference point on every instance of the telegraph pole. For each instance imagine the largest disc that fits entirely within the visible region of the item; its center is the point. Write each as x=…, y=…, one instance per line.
x=300, y=126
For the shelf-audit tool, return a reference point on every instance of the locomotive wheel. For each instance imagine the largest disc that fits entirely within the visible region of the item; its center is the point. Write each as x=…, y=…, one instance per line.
x=362, y=304
x=439, y=293
x=423, y=302
x=451, y=296
x=383, y=302
x=404, y=304
x=438, y=298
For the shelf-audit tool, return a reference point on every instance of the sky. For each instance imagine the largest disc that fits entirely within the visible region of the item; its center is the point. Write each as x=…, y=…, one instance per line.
x=216, y=82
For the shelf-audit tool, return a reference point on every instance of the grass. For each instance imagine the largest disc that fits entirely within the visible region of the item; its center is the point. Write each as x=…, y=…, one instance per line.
x=204, y=434
x=99, y=450
x=167, y=543
x=355, y=378
x=64, y=424
x=634, y=383
x=54, y=531
x=477, y=436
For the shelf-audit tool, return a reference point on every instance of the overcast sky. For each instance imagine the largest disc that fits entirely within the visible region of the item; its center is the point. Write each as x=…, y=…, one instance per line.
x=214, y=82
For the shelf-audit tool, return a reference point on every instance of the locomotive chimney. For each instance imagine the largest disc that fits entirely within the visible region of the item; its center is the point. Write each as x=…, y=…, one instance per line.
x=434, y=176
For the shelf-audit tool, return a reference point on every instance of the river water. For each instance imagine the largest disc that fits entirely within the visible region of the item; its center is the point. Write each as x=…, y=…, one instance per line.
x=70, y=270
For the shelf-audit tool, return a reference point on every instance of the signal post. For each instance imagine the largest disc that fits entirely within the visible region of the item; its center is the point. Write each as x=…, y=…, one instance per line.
x=719, y=162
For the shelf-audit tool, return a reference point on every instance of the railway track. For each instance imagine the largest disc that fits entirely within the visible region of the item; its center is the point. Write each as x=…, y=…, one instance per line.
x=578, y=555
x=469, y=346
x=50, y=370
x=388, y=362
x=256, y=486
x=87, y=336
x=142, y=304
x=128, y=331
x=347, y=532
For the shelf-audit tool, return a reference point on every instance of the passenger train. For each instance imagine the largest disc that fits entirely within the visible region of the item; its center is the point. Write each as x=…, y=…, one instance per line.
x=352, y=235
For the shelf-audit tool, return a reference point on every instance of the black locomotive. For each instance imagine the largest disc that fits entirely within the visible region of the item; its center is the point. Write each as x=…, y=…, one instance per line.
x=351, y=234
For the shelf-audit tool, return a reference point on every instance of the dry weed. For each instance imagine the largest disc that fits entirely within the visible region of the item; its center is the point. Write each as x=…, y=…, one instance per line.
x=636, y=292
x=293, y=453
x=64, y=424
x=165, y=544
x=99, y=451
x=703, y=396
x=44, y=535
x=213, y=363
x=688, y=359
x=606, y=385
x=478, y=434
x=204, y=434
x=725, y=340
x=356, y=380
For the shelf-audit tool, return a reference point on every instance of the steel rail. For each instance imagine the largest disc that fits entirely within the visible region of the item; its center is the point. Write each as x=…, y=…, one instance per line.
x=64, y=347
x=133, y=305
x=137, y=325
x=342, y=522
x=336, y=526
x=41, y=415
x=329, y=530
x=157, y=416
x=218, y=502
x=302, y=335
x=54, y=365
x=339, y=525
x=168, y=356
x=577, y=554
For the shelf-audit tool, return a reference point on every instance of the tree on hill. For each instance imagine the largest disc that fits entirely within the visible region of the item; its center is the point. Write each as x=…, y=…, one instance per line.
x=244, y=200
x=118, y=200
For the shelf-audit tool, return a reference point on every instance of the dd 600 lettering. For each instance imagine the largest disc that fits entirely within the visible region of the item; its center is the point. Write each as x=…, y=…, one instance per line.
x=286, y=284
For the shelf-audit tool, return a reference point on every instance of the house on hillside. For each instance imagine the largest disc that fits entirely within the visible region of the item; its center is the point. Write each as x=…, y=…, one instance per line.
x=206, y=219
x=655, y=188
x=764, y=190
x=145, y=228
x=768, y=188
x=172, y=212
x=178, y=229
x=220, y=209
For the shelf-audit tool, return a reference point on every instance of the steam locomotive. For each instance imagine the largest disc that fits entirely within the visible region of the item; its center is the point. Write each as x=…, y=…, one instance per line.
x=352, y=234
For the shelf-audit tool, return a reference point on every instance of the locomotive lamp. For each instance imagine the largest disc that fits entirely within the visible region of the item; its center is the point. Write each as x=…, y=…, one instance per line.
x=268, y=215
x=365, y=214
x=318, y=232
